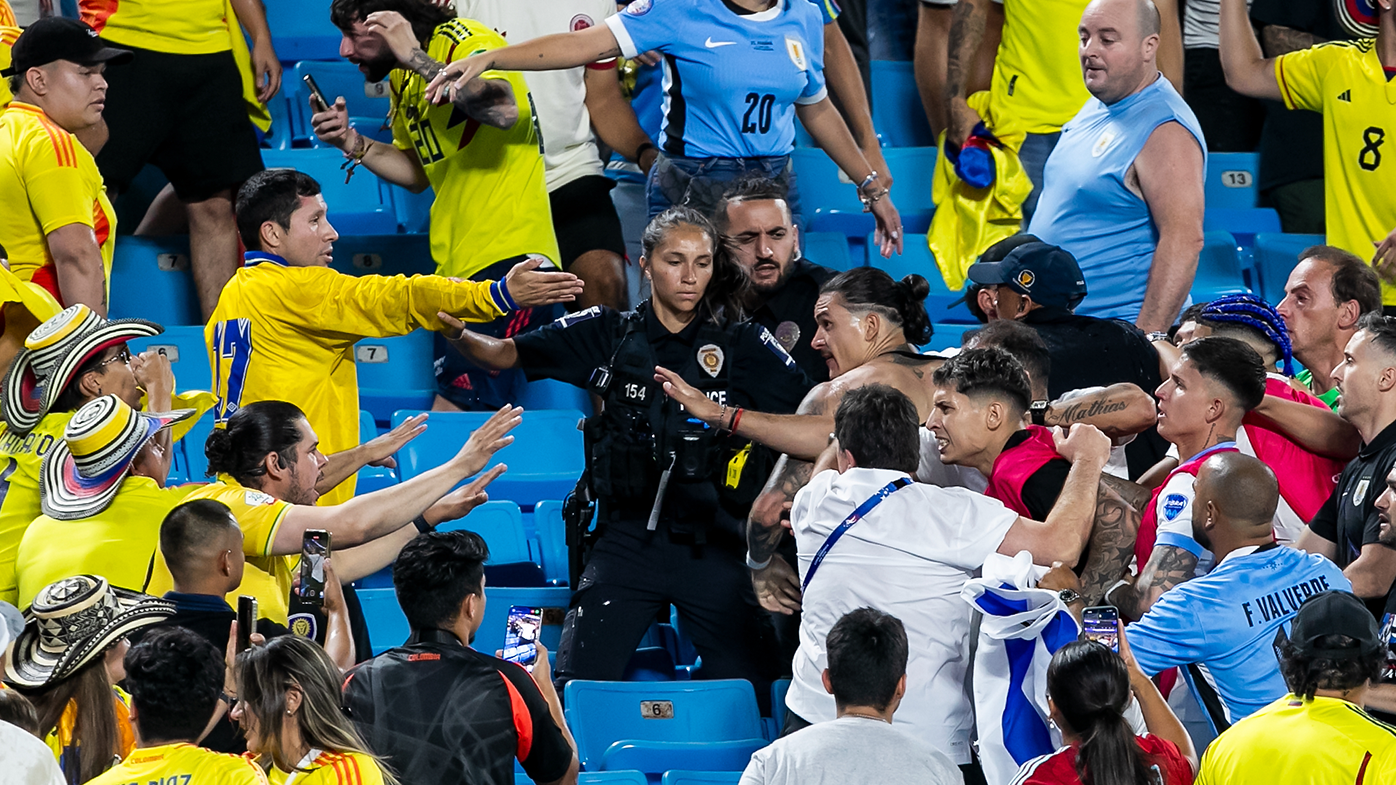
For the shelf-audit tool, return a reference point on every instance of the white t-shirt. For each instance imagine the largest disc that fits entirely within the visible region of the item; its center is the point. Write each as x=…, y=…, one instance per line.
x=25, y=759
x=910, y=557
x=947, y=475
x=559, y=97
x=850, y=749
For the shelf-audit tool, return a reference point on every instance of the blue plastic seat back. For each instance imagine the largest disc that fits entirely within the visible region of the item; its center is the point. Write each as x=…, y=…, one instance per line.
x=822, y=188
x=150, y=279
x=655, y=757
x=602, y=713
x=396, y=373
x=829, y=249
x=364, y=205
x=916, y=258
x=701, y=777
x=501, y=525
x=184, y=345
x=1276, y=256
x=371, y=478
x=366, y=101
x=387, y=626
x=896, y=106
x=552, y=394
x=611, y=778
x=1218, y=269
x=383, y=254
x=1243, y=223
x=544, y=461
x=552, y=539
x=301, y=30
x=913, y=172
x=1231, y=179
x=283, y=124
x=413, y=210
x=553, y=600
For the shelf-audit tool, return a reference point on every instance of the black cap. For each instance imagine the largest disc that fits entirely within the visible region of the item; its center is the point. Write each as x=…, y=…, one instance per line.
x=58, y=38
x=1334, y=613
x=1046, y=273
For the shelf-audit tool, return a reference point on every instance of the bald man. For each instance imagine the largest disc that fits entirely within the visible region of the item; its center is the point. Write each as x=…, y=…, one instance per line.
x=1226, y=621
x=1123, y=188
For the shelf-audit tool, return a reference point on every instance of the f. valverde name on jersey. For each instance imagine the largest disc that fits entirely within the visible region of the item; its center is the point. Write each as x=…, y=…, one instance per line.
x=1283, y=603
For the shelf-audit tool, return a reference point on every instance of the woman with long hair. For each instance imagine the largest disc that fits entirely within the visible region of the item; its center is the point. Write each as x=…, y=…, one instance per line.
x=673, y=492
x=289, y=707
x=1088, y=689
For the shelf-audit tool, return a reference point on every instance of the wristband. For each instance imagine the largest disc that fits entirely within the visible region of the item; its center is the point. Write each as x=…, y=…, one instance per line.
x=231, y=700
x=758, y=565
x=639, y=151
x=1156, y=336
x=722, y=415
x=736, y=420
x=422, y=526
x=499, y=293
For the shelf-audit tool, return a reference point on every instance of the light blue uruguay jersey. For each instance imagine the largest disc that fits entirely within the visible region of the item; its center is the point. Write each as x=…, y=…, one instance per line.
x=730, y=81
x=1228, y=621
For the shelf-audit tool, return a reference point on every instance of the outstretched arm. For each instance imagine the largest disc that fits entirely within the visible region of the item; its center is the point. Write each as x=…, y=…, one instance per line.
x=1118, y=410
x=1317, y=429
x=377, y=452
x=803, y=434
x=547, y=53
x=483, y=350
x=1247, y=70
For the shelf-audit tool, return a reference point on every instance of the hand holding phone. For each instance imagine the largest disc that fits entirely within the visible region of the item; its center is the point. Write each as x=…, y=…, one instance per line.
x=1102, y=625
x=521, y=635
x=247, y=621
x=315, y=549
x=318, y=101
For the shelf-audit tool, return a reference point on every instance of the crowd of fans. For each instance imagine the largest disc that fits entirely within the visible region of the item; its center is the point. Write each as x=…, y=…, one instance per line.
x=1116, y=536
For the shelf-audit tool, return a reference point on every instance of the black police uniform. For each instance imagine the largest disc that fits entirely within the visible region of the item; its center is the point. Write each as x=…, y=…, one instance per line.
x=1349, y=517
x=789, y=315
x=694, y=557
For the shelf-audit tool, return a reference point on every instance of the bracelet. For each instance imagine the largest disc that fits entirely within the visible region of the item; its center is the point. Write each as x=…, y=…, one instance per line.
x=722, y=415
x=355, y=157
x=231, y=700
x=499, y=292
x=422, y=526
x=639, y=151
x=871, y=178
x=758, y=565
x=869, y=200
x=1156, y=336
x=736, y=418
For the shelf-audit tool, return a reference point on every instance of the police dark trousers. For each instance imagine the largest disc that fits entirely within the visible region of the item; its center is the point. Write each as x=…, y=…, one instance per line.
x=693, y=554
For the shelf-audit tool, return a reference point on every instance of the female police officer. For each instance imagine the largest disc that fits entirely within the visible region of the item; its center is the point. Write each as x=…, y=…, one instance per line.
x=673, y=492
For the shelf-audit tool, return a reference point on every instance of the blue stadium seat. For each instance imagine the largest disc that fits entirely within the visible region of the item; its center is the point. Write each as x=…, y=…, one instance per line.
x=396, y=373
x=823, y=188
x=552, y=540
x=1243, y=223
x=1218, y=269
x=552, y=394
x=830, y=202
x=701, y=777
x=949, y=336
x=896, y=106
x=383, y=254
x=498, y=599
x=500, y=523
x=1276, y=255
x=544, y=461
x=650, y=663
x=301, y=30
x=611, y=778
x=656, y=757
x=387, y=626
x=913, y=171
x=1231, y=180
x=278, y=137
x=776, y=722
x=368, y=102
x=150, y=279
x=916, y=258
x=829, y=249
x=371, y=478
x=184, y=345
x=413, y=210
x=364, y=205
x=602, y=713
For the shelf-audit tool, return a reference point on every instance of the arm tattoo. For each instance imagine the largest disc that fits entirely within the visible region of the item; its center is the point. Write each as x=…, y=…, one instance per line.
x=966, y=32
x=423, y=64
x=764, y=531
x=1112, y=537
x=1278, y=40
x=1168, y=566
x=1081, y=411
x=488, y=100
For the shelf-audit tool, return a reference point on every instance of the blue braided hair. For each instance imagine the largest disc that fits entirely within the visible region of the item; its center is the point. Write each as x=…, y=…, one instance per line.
x=1255, y=313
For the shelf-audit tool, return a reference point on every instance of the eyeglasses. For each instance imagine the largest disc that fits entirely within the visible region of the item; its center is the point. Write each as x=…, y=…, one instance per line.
x=123, y=356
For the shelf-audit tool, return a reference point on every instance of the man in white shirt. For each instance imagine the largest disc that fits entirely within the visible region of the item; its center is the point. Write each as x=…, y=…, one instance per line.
x=568, y=105
x=910, y=553
x=867, y=677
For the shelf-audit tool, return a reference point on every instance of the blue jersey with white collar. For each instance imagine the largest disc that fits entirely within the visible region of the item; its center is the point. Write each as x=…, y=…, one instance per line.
x=730, y=81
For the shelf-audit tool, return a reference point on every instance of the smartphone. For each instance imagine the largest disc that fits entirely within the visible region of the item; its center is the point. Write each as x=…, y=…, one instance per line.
x=315, y=95
x=315, y=548
x=247, y=621
x=521, y=635
x=1388, y=636
x=1102, y=625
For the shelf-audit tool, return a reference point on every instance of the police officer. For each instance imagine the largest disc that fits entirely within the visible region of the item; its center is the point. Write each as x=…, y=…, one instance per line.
x=673, y=492
x=756, y=223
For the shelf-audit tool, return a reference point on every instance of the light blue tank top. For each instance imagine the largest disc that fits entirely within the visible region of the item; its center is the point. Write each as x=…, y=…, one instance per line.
x=1086, y=208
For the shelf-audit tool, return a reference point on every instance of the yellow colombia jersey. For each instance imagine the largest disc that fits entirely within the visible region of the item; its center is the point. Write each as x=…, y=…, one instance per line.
x=7, y=15
x=118, y=543
x=266, y=577
x=181, y=27
x=332, y=768
x=181, y=764
x=20, y=460
x=8, y=34
x=288, y=334
x=1037, y=78
x=1344, y=81
x=45, y=167
x=1297, y=742
x=491, y=200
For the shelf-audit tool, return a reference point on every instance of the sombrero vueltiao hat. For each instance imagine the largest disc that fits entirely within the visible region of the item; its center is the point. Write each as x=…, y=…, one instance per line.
x=72, y=622
x=83, y=473
x=1358, y=18
x=52, y=355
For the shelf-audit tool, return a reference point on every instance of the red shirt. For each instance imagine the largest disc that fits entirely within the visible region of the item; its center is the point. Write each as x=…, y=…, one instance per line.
x=1059, y=768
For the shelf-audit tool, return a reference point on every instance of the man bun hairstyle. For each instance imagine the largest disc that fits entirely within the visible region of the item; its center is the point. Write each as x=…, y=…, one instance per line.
x=867, y=652
x=990, y=371
x=879, y=426
x=902, y=302
x=1231, y=363
x=270, y=195
x=435, y=572
x=240, y=449
x=1353, y=279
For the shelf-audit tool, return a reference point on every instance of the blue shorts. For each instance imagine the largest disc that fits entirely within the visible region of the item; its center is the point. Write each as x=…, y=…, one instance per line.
x=473, y=388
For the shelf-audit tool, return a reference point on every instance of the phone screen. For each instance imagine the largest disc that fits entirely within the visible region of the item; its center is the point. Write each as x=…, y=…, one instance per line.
x=315, y=93
x=521, y=635
x=1388, y=636
x=315, y=548
x=1102, y=625
x=247, y=621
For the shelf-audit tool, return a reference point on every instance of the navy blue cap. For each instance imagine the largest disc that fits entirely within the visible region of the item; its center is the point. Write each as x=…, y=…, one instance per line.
x=1046, y=273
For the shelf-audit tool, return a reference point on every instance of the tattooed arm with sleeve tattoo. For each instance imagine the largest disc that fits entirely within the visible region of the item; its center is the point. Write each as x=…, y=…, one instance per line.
x=1168, y=566
x=1118, y=410
x=1118, y=510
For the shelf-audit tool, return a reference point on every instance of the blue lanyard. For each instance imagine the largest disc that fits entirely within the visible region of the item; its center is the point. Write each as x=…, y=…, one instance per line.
x=853, y=517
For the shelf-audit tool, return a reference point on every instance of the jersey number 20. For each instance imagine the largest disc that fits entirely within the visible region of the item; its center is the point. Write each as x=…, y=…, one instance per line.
x=758, y=113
